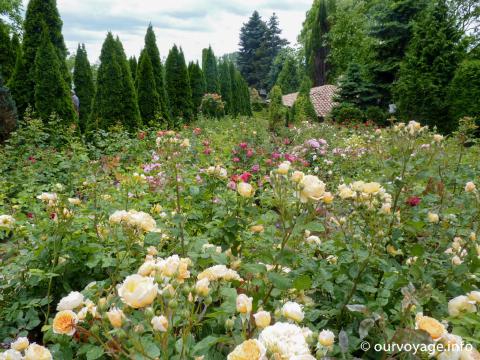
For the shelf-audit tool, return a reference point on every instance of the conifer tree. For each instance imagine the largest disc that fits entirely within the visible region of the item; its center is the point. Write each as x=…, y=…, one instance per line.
x=276, y=109
x=288, y=80
x=84, y=86
x=226, y=86
x=302, y=109
x=197, y=84
x=158, y=71
x=8, y=112
x=52, y=94
x=132, y=62
x=7, y=53
x=210, y=71
x=178, y=86
x=355, y=89
x=148, y=100
x=429, y=66
x=235, y=105
x=465, y=100
x=19, y=83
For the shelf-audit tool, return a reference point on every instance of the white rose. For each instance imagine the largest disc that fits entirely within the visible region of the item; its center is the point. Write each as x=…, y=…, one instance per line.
x=293, y=311
x=37, y=352
x=244, y=304
x=326, y=338
x=20, y=344
x=283, y=168
x=71, y=301
x=11, y=355
x=138, y=291
x=461, y=304
x=470, y=186
x=160, y=323
x=262, y=319
x=311, y=188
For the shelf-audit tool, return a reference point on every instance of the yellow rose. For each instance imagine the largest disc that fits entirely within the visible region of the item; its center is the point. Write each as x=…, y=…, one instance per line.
x=245, y=190
x=185, y=143
x=326, y=338
x=283, y=168
x=138, y=291
x=248, y=350
x=293, y=311
x=437, y=138
x=37, y=352
x=327, y=198
x=256, y=228
x=74, y=201
x=311, y=188
x=202, y=287
x=115, y=316
x=430, y=325
x=433, y=218
x=20, y=344
x=262, y=319
x=64, y=322
x=371, y=188
x=244, y=304
x=297, y=176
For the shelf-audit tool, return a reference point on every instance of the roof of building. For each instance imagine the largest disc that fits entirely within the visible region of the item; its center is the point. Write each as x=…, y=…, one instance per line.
x=321, y=96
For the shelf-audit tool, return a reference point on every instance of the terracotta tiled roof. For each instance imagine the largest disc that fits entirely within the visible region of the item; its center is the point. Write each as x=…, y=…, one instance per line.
x=321, y=96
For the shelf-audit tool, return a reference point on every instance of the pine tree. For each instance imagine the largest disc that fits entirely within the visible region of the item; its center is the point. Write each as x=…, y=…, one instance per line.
x=302, y=109
x=158, y=71
x=355, y=89
x=107, y=105
x=132, y=62
x=84, y=86
x=392, y=32
x=8, y=112
x=197, y=84
x=430, y=63
x=40, y=14
x=7, y=53
x=178, y=86
x=52, y=94
x=148, y=100
x=210, y=71
x=288, y=79
x=226, y=86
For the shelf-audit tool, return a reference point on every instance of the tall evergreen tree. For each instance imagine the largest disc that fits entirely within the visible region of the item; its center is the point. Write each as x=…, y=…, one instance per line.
x=465, y=100
x=148, y=100
x=8, y=112
x=210, y=71
x=7, y=53
x=158, y=70
x=132, y=62
x=355, y=89
x=429, y=66
x=392, y=31
x=312, y=37
x=52, y=94
x=178, y=86
x=276, y=109
x=226, y=86
x=253, y=57
x=302, y=109
x=197, y=84
x=84, y=86
x=275, y=43
x=288, y=79
x=110, y=96
x=40, y=14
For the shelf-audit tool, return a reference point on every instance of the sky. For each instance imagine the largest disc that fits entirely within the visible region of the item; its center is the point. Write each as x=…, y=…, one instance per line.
x=191, y=24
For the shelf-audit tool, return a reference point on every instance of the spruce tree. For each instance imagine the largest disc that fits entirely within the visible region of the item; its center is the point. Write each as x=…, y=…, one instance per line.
x=210, y=71
x=132, y=62
x=148, y=100
x=8, y=112
x=158, y=71
x=226, y=86
x=131, y=113
x=355, y=89
x=107, y=105
x=288, y=79
x=429, y=66
x=84, y=86
x=52, y=94
x=197, y=84
x=178, y=86
x=7, y=53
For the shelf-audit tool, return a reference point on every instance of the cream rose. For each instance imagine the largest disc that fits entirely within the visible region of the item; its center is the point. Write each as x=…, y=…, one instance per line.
x=20, y=344
x=283, y=168
x=297, y=176
x=116, y=316
x=245, y=189
x=202, y=287
x=37, y=352
x=160, y=323
x=461, y=304
x=244, y=304
x=248, y=350
x=262, y=319
x=470, y=186
x=11, y=354
x=71, y=301
x=138, y=291
x=311, y=188
x=293, y=311
x=326, y=338
x=65, y=322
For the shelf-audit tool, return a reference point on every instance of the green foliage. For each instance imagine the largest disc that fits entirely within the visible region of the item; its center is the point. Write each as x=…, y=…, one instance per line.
x=302, y=109
x=428, y=68
x=464, y=94
x=288, y=78
x=8, y=112
x=158, y=71
x=114, y=91
x=355, y=89
x=19, y=83
x=210, y=71
x=316, y=50
x=212, y=106
x=226, y=86
x=197, y=84
x=7, y=52
x=346, y=113
x=84, y=86
x=178, y=86
x=148, y=100
x=276, y=110
x=376, y=115
x=12, y=10
x=132, y=62
x=52, y=94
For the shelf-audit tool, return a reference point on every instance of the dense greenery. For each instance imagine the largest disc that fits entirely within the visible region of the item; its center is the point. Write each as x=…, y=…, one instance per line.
x=83, y=85
x=8, y=112
x=148, y=98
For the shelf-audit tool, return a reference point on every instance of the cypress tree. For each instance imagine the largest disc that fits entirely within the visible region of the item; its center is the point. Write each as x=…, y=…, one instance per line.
x=7, y=53
x=288, y=77
x=210, y=71
x=158, y=71
x=430, y=63
x=148, y=100
x=178, y=86
x=132, y=62
x=276, y=109
x=84, y=86
x=302, y=109
x=19, y=83
x=8, y=112
x=197, y=84
x=39, y=14
x=235, y=85
x=226, y=86
x=107, y=105
x=131, y=114
x=52, y=94
x=465, y=100
x=15, y=46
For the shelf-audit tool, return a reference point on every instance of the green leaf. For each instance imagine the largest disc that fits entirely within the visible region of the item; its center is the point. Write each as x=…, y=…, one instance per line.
x=303, y=282
x=94, y=353
x=279, y=281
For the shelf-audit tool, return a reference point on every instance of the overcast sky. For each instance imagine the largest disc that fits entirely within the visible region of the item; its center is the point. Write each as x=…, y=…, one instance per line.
x=192, y=24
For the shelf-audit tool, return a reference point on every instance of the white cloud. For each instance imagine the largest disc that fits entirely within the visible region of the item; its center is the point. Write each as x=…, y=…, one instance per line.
x=191, y=24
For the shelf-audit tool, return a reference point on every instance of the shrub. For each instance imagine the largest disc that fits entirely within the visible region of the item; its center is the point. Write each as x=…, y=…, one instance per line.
x=8, y=112
x=376, y=114
x=212, y=105
x=276, y=109
x=346, y=112
x=256, y=100
x=465, y=100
